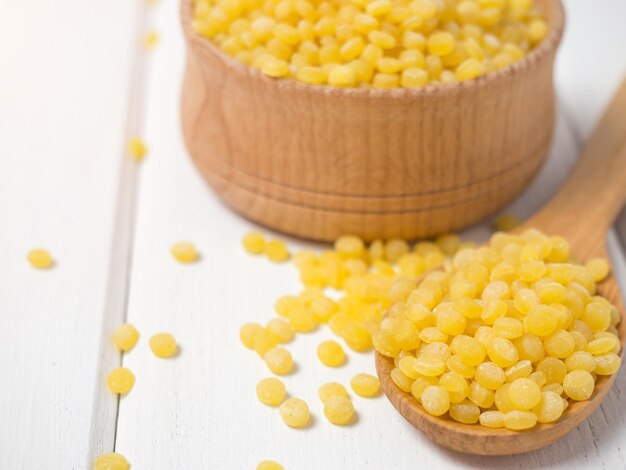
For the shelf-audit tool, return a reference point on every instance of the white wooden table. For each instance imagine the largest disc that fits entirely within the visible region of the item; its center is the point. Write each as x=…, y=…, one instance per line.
x=74, y=86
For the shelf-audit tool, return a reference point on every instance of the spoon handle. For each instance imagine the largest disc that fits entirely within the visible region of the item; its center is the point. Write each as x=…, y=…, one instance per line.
x=589, y=201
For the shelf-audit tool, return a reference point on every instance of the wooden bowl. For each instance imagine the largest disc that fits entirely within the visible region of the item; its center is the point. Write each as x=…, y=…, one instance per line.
x=319, y=161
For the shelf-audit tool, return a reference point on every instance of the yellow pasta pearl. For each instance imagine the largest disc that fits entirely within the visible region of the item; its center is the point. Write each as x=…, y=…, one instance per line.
x=598, y=268
x=150, y=40
x=281, y=329
x=469, y=69
x=331, y=353
x=537, y=30
x=581, y=360
x=120, y=380
x=607, y=364
x=502, y=352
x=456, y=386
x=254, y=243
x=269, y=465
x=312, y=75
x=125, y=337
x=509, y=328
x=349, y=246
x=278, y=360
x=440, y=44
x=435, y=400
x=137, y=149
x=451, y=322
x=554, y=369
x=578, y=385
x=338, y=410
x=163, y=345
x=270, y=391
x=364, y=23
x=517, y=420
x=276, y=250
x=365, y=385
x=295, y=413
x=549, y=408
x=560, y=344
x=520, y=370
x=342, y=75
x=541, y=321
x=248, y=334
x=379, y=7
x=185, y=252
x=111, y=461
x=389, y=65
x=40, y=259
x=524, y=394
x=455, y=364
x=490, y=375
x=602, y=345
x=275, y=68
x=331, y=389
x=386, y=81
x=492, y=419
x=469, y=350
x=530, y=347
x=352, y=48
x=464, y=412
x=480, y=395
x=382, y=39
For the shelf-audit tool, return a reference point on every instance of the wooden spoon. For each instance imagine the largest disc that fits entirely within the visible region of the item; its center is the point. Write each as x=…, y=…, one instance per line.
x=582, y=211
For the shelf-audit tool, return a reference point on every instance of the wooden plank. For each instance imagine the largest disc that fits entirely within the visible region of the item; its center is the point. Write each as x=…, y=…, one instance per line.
x=63, y=106
x=199, y=410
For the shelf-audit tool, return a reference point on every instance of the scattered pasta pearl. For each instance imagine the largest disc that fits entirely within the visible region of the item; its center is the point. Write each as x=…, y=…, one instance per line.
x=365, y=385
x=338, y=409
x=151, y=39
x=276, y=250
x=254, y=243
x=163, y=345
x=137, y=149
x=331, y=389
x=120, y=380
x=270, y=391
x=281, y=329
x=125, y=337
x=249, y=332
x=269, y=465
x=279, y=360
x=40, y=258
x=331, y=353
x=295, y=412
x=184, y=252
x=111, y=461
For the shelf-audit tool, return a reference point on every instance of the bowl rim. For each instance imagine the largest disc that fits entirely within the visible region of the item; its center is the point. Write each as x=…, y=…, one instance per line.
x=547, y=47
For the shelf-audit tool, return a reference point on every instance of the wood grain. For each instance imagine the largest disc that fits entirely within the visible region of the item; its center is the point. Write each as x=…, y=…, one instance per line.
x=582, y=211
x=377, y=163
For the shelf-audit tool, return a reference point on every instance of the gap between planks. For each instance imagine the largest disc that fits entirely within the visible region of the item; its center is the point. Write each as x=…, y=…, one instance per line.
x=105, y=411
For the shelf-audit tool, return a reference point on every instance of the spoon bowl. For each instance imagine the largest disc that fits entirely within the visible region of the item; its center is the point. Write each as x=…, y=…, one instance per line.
x=582, y=212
